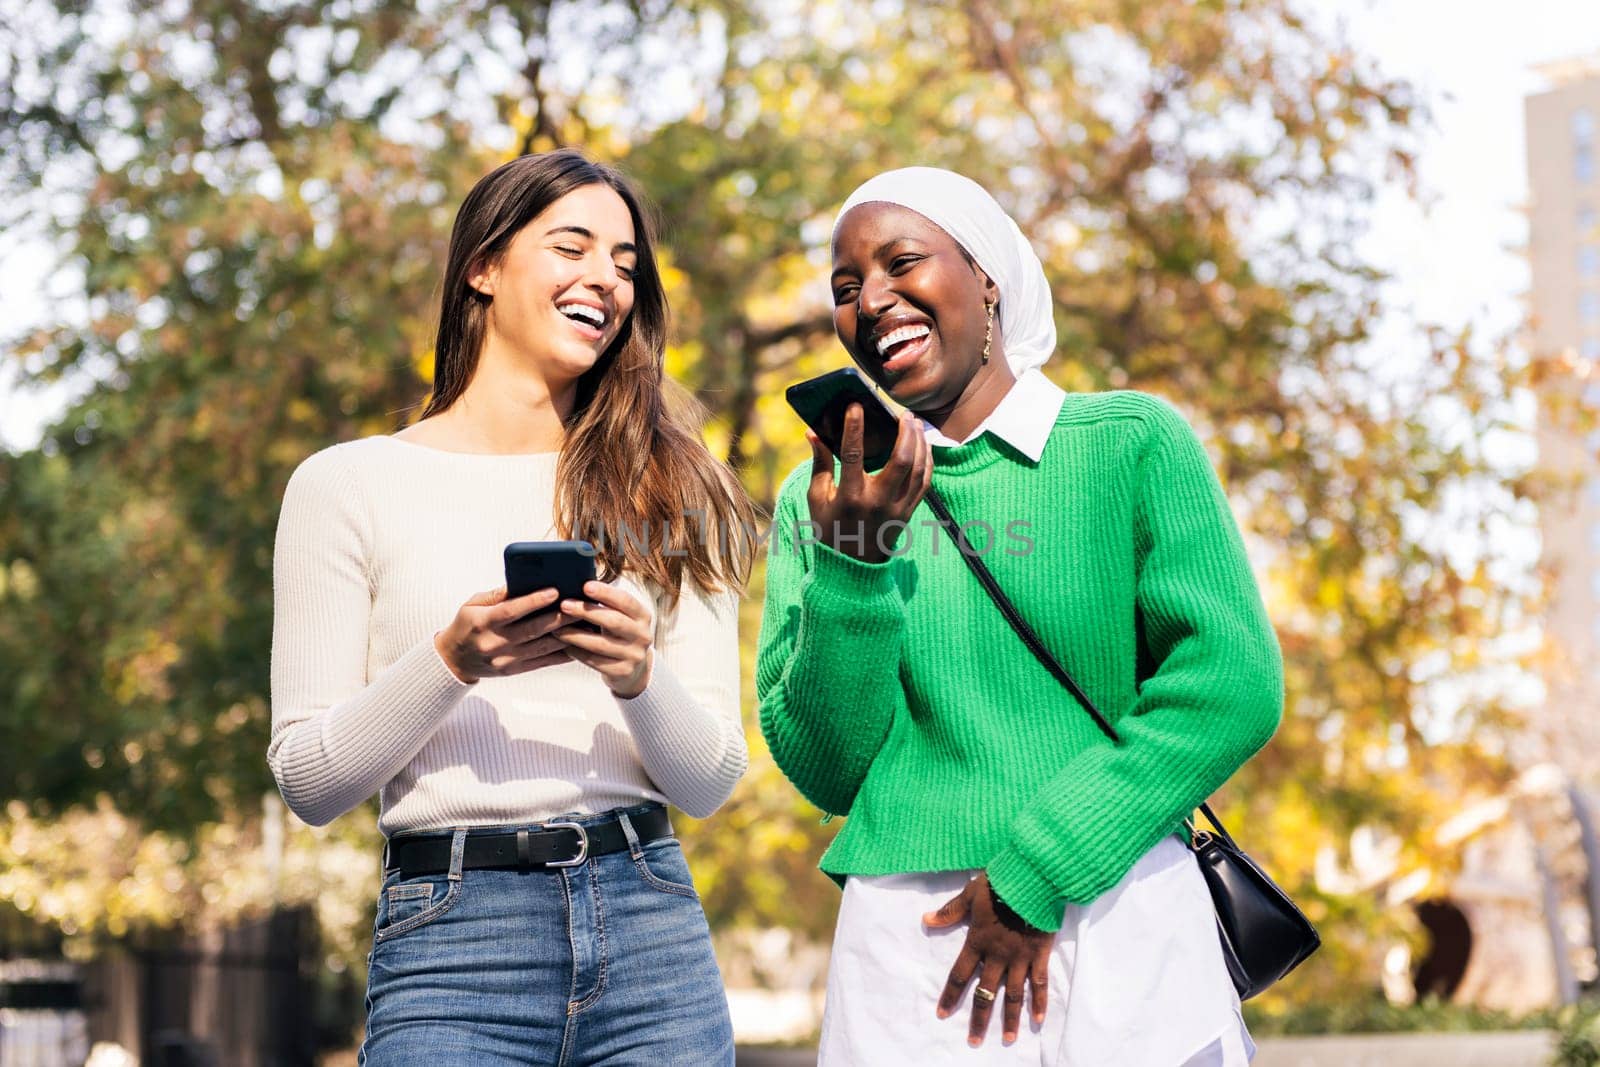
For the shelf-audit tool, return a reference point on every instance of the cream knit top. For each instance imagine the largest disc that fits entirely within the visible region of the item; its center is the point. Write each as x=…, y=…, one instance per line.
x=380, y=541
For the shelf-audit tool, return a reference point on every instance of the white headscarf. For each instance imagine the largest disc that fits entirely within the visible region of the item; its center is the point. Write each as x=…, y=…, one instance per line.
x=965, y=210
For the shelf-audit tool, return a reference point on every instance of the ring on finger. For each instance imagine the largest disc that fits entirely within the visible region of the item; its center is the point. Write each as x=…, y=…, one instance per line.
x=985, y=995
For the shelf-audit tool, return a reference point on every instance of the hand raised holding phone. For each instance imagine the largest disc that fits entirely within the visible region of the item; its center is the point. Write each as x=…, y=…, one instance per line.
x=861, y=514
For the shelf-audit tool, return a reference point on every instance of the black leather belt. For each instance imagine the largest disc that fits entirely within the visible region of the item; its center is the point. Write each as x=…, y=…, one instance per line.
x=559, y=844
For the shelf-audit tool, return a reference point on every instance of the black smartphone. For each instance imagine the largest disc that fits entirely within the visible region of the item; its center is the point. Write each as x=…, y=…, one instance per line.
x=823, y=401
x=534, y=565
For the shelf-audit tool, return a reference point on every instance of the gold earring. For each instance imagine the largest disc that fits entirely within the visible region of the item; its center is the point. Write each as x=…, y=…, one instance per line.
x=988, y=331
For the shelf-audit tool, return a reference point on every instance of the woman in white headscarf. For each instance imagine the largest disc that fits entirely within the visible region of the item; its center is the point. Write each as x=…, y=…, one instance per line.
x=997, y=843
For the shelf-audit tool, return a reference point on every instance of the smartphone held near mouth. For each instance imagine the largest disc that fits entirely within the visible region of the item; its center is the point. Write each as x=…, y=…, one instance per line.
x=823, y=401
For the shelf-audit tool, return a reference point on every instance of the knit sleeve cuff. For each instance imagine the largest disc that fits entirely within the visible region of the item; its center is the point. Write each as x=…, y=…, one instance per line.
x=848, y=585
x=413, y=694
x=1025, y=890
x=661, y=700
x=433, y=668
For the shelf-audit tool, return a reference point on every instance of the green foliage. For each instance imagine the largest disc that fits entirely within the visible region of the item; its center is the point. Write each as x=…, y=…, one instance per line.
x=260, y=196
x=1578, y=1035
x=1370, y=1013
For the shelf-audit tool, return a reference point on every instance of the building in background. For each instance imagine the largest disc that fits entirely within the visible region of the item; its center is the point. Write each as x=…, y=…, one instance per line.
x=1516, y=930
x=1563, y=140
x=1527, y=901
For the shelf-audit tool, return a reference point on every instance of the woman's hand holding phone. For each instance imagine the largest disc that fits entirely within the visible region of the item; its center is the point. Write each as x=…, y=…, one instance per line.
x=853, y=513
x=617, y=641
x=492, y=637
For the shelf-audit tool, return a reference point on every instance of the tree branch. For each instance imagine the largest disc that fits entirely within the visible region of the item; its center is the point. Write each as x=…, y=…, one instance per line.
x=801, y=329
x=542, y=125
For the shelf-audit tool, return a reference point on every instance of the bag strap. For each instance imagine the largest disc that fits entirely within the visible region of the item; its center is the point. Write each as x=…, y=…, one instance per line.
x=980, y=570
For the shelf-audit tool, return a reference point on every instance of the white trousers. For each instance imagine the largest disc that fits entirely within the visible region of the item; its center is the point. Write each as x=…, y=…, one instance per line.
x=1136, y=978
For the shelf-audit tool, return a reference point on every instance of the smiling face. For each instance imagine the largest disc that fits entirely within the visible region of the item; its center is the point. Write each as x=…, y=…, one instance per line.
x=563, y=288
x=909, y=306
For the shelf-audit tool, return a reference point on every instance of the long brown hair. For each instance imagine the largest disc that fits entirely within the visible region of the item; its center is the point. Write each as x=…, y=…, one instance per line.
x=634, y=477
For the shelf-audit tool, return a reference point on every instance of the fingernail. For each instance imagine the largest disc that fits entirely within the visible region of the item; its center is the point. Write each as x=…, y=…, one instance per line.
x=571, y=606
x=1010, y=1036
x=974, y=1042
x=1038, y=1017
x=944, y=1013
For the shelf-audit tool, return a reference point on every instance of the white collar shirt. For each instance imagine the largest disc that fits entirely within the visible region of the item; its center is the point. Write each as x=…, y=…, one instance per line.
x=1023, y=419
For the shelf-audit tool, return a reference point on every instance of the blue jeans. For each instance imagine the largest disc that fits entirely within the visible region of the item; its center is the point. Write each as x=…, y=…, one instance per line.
x=608, y=962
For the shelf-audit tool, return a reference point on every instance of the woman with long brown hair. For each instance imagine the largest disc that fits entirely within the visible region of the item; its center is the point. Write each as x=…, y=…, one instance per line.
x=535, y=906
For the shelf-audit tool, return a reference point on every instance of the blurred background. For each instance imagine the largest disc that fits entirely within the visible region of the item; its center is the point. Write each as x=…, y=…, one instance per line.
x=1356, y=244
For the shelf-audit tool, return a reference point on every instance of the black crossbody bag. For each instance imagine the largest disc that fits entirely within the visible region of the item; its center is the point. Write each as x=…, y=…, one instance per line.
x=1264, y=936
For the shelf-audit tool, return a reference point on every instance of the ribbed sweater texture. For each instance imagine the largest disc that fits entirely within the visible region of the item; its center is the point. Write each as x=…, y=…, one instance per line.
x=897, y=695
x=379, y=543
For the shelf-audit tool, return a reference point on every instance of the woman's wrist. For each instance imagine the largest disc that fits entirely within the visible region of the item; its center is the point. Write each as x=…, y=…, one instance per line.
x=1007, y=916
x=442, y=647
x=629, y=688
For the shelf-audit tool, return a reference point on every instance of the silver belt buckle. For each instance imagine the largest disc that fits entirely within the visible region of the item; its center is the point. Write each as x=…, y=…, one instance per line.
x=583, y=843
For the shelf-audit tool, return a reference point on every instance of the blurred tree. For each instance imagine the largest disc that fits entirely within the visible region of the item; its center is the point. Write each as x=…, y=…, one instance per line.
x=255, y=199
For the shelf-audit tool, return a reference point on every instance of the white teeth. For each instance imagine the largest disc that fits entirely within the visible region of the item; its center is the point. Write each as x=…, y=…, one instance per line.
x=584, y=311
x=904, y=333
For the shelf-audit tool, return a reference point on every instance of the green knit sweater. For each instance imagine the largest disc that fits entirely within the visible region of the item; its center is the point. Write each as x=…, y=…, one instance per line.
x=896, y=693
